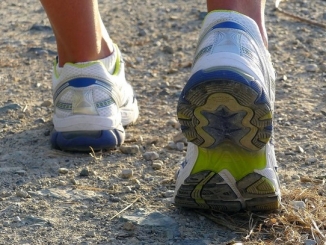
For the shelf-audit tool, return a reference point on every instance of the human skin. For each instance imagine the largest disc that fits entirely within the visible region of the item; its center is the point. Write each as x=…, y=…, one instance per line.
x=81, y=35
x=79, y=30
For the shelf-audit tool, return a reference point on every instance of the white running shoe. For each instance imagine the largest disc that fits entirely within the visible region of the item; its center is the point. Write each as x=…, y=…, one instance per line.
x=225, y=111
x=91, y=106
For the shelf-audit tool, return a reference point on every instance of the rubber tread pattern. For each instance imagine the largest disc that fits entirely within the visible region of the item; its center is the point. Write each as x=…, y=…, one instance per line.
x=208, y=190
x=217, y=105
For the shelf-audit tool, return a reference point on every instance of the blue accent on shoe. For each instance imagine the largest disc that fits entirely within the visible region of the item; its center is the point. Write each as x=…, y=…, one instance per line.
x=217, y=75
x=269, y=127
x=262, y=99
x=81, y=82
x=106, y=139
x=229, y=24
x=223, y=75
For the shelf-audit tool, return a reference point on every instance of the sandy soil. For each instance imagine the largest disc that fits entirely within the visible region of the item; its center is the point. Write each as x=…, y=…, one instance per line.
x=53, y=197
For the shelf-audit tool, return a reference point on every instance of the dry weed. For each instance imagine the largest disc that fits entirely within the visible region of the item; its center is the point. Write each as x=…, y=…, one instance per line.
x=290, y=225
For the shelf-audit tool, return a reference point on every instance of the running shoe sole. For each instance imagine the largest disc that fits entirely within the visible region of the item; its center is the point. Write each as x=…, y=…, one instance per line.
x=219, y=105
x=227, y=114
x=224, y=179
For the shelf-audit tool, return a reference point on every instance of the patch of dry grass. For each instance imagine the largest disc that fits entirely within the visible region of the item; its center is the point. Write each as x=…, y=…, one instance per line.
x=290, y=225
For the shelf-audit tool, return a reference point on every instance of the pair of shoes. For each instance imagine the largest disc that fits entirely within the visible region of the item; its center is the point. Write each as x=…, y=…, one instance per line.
x=91, y=106
x=225, y=111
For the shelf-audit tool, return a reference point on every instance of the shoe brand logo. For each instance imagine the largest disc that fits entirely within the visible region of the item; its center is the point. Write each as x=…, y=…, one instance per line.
x=104, y=103
x=64, y=106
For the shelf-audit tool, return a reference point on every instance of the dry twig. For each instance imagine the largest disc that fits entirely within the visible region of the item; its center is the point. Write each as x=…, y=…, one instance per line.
x=309, y=21
x=124, y=209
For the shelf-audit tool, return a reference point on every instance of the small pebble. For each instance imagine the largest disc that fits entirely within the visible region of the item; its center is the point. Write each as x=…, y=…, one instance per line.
x=37, y=27
x=311, y=68
x=179, y=138
x=46, y=103
x=62, y=183
x=90, y=234
x=73, y=181
x=129, y=149
x=295, y=177
x=168, y=50
x=180, y=146
x=17, y=219
x=323, y=66
x=127, y=189
x=84, y=172
x=168, y=193
x=284, y=78
x=171, y=145
x=299, y=149
x=322, y=165
x=287, y=124
x=40, y=120
x=139, y=60
x=173, y=123
x=128, y=226
x=310, y=242
x=140, y=139
x=142, y=32
x=21, y=193
x=6, y=108
x=126, y=173
x=311, y=160
x=174, y=17
x=20, y=172
x=298, y=204
x=6, y=223
x=115, y=199
x=202, y=15
x=151, y=155
x=157, y=165
x=323, y=111
x=63, y=170
x=5, y=194
x=136, y=182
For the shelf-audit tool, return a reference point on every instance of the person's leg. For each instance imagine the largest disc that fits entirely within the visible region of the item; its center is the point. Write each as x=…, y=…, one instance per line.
x=225, y=111
x=254, y=9
x=92, y=99
x=79, y=31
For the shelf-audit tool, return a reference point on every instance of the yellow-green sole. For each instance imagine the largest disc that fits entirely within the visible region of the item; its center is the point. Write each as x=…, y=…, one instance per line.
x=209, y=187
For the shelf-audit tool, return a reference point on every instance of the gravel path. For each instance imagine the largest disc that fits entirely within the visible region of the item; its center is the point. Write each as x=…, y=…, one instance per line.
x=124, y=196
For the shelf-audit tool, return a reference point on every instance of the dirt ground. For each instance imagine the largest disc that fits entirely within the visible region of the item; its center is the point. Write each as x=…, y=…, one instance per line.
x=53, y=197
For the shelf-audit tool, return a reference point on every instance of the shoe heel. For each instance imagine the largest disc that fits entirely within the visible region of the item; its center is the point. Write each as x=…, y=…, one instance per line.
x=81, y=141
x=229, y=179
x=208, y=190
